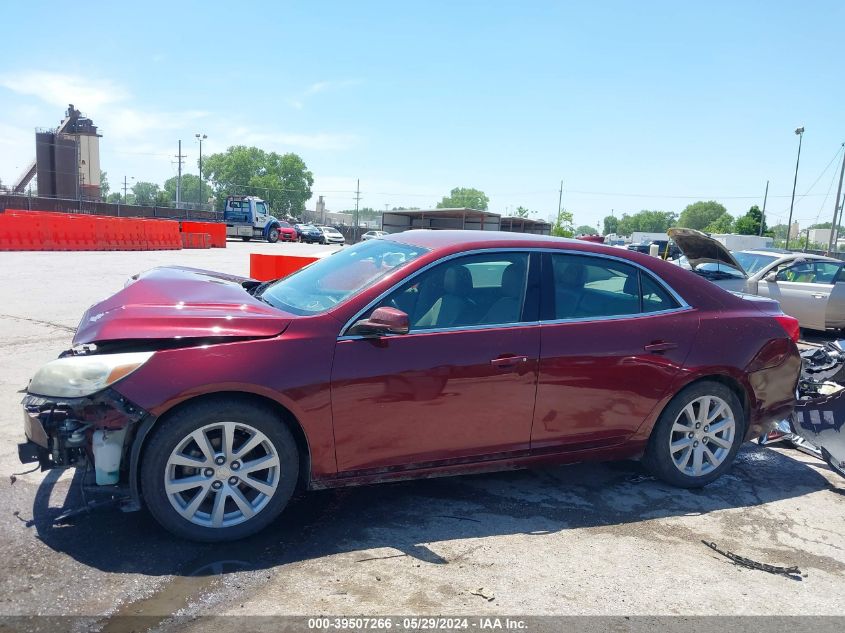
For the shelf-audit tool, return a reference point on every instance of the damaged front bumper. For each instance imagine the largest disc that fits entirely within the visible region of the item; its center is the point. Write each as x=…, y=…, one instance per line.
x=75, y=432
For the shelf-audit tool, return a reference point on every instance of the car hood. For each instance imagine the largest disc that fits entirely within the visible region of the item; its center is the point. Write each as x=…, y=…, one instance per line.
x=180, y=303
x=699, y=249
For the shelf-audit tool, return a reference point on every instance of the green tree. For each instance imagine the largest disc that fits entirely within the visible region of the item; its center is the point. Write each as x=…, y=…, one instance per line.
x=645, y=220
x=521, y=212
x=461, y=197
x=190, y=188
x=723, y=224
x=749, y=224
x=611, y=225
x=104, y=185
x=699, y=215
x=283, y=180
x=114, y=198
x=585, y=229
x=563, y=226
x=778, y=231
x=145, y=193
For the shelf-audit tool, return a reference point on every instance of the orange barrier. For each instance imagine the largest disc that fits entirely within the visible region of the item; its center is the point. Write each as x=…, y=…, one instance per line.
x=49, y=231
x=216, y=230
x=196, y=240
x=267, y=267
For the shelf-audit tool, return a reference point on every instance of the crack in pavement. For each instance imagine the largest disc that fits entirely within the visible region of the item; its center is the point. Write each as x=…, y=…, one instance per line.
x=39, y=322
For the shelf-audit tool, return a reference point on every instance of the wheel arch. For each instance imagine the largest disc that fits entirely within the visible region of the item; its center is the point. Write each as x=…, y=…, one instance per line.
x=735, y=384
x=149, y=425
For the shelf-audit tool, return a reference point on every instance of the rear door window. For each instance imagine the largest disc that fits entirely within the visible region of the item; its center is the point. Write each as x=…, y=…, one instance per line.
x=587, y=287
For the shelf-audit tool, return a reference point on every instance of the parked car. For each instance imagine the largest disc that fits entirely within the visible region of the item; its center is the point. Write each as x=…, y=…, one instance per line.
x=809, y=287
x=418, y=354
x=331, y=235
x=371, y=235
x=309, y=233
x=286, y=232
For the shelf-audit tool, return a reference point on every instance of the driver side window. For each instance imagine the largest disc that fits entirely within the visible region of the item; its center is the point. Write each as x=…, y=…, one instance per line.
x=800, y=272
x=475, y=290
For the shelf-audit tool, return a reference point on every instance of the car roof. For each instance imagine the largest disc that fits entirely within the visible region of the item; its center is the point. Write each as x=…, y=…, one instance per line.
x=470, y=239
x=782, y=254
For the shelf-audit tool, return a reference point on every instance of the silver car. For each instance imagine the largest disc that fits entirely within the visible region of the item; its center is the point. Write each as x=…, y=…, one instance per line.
x=371, y=235
x=331, y=235
x=809, y=287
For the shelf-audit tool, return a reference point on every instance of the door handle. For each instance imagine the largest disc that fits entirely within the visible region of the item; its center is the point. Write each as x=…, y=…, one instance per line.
x=818, y=296
x=504, y=362
x=660, y=346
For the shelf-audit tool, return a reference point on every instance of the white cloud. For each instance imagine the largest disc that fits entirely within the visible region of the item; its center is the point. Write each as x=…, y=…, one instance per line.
x=130, y=123
x=61, y=89
x=317, y=87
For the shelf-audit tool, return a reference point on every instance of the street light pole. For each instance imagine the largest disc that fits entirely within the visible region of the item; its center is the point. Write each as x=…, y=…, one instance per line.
x=200, y=138
x=800, y=133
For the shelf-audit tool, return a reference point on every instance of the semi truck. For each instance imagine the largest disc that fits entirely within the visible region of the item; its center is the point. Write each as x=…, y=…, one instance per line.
x=248, y=217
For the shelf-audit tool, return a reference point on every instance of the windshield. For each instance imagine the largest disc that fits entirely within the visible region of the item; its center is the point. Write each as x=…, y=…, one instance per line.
x=330, y=280
x=752, y=262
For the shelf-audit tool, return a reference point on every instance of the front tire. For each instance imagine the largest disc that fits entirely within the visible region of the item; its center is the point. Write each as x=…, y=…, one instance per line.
x=273, y=236
x=697, y=436
x=219, y=470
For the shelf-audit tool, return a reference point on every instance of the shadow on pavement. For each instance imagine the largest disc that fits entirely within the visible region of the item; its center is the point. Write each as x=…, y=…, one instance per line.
x=404, y=516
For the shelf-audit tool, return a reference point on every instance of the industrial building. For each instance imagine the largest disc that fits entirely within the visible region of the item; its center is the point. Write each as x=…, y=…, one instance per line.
x=463, y=218
x=67, y=160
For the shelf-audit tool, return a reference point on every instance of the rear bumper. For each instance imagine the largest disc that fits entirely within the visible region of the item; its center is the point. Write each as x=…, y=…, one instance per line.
x=773, y=390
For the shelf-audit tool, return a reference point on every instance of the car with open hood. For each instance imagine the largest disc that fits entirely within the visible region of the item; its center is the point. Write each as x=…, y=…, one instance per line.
x=809, y=287
x=209, y=398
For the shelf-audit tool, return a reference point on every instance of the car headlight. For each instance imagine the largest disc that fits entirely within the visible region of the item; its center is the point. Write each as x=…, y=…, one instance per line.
x=78, y=376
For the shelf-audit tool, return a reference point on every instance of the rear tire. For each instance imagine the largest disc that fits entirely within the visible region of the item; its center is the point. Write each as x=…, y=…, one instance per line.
x=246, y=239
x=247, y=466
x=697, y=436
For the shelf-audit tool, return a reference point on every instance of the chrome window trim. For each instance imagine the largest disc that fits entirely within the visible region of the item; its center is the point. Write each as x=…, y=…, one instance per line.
x=682, y=305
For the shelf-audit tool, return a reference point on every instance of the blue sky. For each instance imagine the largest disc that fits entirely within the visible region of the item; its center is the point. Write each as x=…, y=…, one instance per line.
x=633, y=104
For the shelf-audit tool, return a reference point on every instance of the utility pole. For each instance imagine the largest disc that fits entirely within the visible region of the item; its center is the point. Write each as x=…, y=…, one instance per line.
x=763, y=217
x=834, y=228
x=179, y=158
x=800, y=132
x=126, y=188
x=357, y=200
x=200, y=138
x=559, y=199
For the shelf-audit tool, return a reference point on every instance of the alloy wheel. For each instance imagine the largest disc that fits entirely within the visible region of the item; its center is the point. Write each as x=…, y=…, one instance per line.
x=702, y=436
x=222, y=474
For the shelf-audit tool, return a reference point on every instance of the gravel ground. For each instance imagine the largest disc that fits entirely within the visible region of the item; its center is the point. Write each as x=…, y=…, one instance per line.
x=587, y=539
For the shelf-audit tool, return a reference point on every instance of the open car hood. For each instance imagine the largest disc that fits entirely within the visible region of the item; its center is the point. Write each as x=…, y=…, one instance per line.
x=700, y=248
x=180, y=303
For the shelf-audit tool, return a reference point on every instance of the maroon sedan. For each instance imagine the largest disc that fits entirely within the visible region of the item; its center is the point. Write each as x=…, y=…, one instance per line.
x=211, y=398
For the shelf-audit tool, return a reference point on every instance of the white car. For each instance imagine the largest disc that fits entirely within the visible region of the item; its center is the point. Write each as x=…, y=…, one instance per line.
x=371, y=235
x=809, y=287
x=331, y=235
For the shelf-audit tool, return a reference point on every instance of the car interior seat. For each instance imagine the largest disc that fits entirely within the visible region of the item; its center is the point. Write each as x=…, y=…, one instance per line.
x=453, y=305
x=508, y=307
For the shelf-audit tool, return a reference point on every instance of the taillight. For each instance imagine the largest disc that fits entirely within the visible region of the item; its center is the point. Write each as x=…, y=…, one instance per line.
x=790, y=326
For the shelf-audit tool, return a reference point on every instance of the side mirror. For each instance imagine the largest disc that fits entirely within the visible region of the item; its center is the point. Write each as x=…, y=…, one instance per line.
x=772, y=277
x=382, y=321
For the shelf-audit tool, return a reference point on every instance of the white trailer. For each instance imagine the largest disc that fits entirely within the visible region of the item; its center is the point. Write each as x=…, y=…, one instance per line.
x=734, y=242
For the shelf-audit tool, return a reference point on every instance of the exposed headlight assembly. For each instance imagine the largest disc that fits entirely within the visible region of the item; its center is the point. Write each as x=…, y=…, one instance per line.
x=78, y=376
